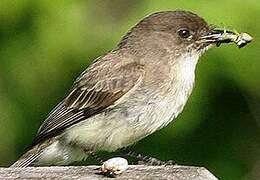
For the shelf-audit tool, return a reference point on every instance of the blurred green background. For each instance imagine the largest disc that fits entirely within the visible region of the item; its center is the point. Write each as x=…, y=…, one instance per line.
x=45, y=44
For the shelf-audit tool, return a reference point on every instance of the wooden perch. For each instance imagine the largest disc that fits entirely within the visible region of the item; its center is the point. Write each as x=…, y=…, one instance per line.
x=91, y=173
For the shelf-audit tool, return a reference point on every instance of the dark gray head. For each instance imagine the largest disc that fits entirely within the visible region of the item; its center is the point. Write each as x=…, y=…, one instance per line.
x=180, y=31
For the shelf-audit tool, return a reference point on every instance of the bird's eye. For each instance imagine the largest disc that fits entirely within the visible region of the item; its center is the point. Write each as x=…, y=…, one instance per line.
x=184, y=33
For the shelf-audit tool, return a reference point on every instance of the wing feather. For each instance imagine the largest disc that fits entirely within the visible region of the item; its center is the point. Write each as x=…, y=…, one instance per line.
x=95, y=90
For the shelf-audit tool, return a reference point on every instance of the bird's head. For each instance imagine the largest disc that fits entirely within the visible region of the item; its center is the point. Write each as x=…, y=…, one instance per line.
x=178, y=31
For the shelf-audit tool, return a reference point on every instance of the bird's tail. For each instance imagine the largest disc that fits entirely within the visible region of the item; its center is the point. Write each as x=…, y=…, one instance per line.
x=50, y=152
x=30, y=157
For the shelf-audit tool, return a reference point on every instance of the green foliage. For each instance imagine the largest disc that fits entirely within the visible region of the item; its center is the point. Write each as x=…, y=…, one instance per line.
x=44, y=45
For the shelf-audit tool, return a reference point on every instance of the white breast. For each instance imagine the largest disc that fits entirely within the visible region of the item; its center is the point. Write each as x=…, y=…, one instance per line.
x=123, y=125
x=168, y=108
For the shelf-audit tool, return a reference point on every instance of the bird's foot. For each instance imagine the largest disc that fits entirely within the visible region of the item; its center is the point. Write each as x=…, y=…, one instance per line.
x=146, y=160
x=96, y=157
x=155, y=162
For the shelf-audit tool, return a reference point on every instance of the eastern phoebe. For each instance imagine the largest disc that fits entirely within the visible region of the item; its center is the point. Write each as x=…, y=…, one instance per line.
x=128, y=93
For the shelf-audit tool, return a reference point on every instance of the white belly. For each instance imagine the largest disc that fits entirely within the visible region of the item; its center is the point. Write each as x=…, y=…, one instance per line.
x=137, y=117
x=111, y=131
x=124, y=126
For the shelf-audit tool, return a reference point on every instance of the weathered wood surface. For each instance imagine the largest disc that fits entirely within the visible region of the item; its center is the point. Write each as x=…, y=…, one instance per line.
x=91, y=173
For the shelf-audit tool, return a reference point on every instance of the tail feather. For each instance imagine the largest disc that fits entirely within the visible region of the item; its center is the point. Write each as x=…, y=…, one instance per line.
x=26, y=161
x=50, y=152
x=31, y=156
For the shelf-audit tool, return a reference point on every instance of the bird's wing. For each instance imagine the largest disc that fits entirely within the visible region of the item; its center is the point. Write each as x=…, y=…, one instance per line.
x=100, y=86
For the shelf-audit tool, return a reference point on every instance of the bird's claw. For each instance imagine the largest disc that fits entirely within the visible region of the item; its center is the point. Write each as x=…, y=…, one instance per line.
x=156, y=162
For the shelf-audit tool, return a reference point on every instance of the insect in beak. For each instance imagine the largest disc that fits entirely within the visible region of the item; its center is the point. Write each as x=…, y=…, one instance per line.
x=219, y=36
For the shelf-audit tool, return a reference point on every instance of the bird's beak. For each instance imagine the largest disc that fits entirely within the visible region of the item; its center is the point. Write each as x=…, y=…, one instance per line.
x=219, y=36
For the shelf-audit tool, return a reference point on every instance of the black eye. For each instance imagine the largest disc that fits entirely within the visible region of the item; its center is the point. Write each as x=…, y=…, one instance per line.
x=184, y=33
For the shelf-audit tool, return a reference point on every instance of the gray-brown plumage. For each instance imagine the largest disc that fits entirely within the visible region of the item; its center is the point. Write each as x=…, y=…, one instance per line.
x=97, y=88
x=126, y=94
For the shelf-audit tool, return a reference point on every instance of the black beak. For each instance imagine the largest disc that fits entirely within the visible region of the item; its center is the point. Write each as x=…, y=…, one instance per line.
x=219, y=36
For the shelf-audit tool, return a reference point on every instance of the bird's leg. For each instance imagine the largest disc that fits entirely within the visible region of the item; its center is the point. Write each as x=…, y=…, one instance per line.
x=148, y=160
x=96, y=157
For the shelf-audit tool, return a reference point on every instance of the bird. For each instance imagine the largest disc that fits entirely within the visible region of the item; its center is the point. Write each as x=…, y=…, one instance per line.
x=128, y=93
